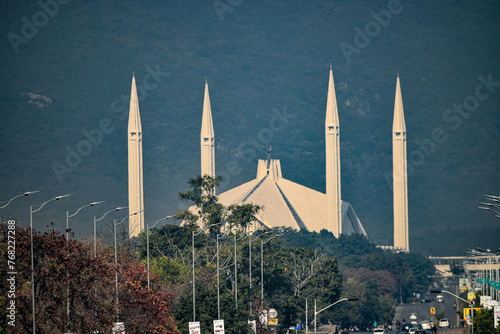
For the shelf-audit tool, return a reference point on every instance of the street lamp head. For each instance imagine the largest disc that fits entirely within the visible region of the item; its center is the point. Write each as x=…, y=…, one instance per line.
x=59, y=197
x=31, y=192
x=120, y=208
x=95, y=203
x=352, y=299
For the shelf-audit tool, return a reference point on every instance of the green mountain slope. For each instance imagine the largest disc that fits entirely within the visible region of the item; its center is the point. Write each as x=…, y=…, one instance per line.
x=263, y=58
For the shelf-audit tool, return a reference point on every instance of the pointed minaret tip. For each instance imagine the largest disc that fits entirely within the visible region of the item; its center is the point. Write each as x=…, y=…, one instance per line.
x=399, y=118
x=134, y=121
x=332, y=116
x=207, y=128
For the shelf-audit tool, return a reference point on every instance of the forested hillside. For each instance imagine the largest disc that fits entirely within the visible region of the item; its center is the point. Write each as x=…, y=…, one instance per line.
x=65, y=85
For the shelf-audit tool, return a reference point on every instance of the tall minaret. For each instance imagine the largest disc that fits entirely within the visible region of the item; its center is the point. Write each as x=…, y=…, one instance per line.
x=135, y=189
x=332, y=140
x=400, y=184
x=207, y=138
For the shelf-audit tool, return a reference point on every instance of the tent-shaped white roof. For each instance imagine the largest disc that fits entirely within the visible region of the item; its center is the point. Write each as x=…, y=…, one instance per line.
x=286, y=203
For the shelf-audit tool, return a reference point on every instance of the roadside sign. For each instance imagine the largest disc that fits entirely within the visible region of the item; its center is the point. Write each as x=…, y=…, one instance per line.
x=218, y=326
x=272, y=322
x=263, y=317
x=253, y=324
x=118, y=328
x=194, y=327
x=272, y=313
x=496, y=315
x=433, y=310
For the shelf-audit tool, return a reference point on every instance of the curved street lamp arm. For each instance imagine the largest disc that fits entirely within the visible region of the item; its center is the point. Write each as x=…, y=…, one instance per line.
x=448, y=292
x=204, y=228
x=492, y=198
x=338, y=301
x=489, y=209
x=50, y=200
x=24, y=194
x=116, y=209
x=85, y=206
x=116, y=224
x=271, y=238
x=164, y=218
x=257, y=237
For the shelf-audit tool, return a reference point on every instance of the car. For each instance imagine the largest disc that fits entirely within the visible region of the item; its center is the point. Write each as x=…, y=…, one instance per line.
x=425, y=324
x=444, y=323
x=378, y=331
x=440, y=299
x=413, y=316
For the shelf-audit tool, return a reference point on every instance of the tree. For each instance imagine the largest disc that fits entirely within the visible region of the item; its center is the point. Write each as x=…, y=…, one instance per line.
x=209, y=211
x=68, y=270
x=143, y=310
x=64, y=271
x=483, y=322
x=457, y=269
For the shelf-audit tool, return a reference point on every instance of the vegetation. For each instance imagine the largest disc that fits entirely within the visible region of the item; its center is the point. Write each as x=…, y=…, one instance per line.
x=298, y=268
x=297, y=265
x=69, y=271
x=483, y=322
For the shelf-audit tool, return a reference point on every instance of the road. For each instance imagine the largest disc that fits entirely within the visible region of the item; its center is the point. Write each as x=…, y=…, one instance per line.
x=423, y=310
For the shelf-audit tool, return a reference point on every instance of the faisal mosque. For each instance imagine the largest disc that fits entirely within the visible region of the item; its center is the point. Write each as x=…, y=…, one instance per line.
x=284, y=202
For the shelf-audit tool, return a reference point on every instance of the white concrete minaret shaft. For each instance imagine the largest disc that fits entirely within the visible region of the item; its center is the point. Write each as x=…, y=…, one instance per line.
x=207, y=138
x=332, y=140
x=400, y=184
x=135, y=188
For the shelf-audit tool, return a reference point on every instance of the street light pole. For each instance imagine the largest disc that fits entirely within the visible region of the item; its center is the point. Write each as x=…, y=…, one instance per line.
x=95, y=230
x=250, y=266
x=194, y=289
x=262, y=265
x=32, y=264
x=236, y=270
x=307, y=322
x=24, y=194
x=147, y=237
x=68, y=216
x=218, y=284
x=338, y=301
x=116, y=263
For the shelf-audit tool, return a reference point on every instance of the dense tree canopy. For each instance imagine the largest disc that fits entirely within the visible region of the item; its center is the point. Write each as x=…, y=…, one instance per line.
x=69, y=271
